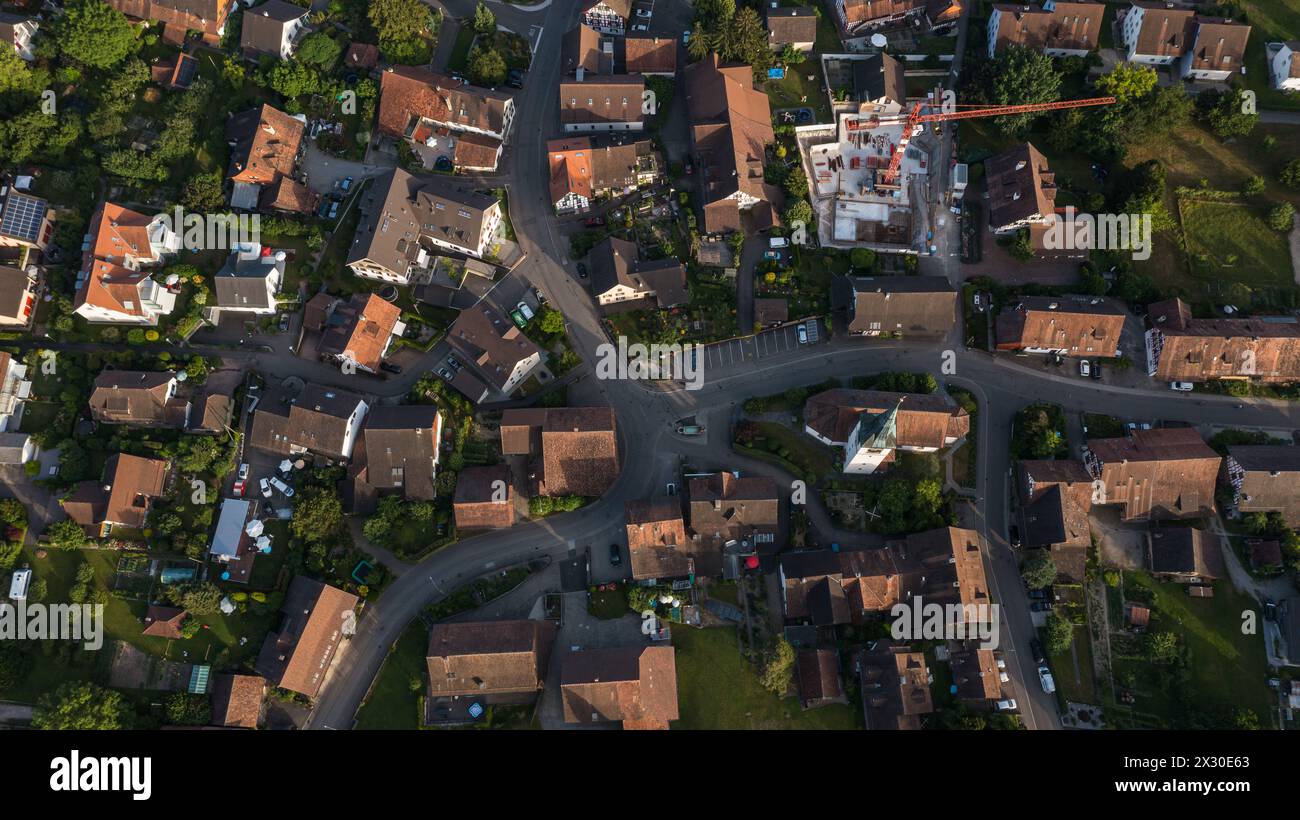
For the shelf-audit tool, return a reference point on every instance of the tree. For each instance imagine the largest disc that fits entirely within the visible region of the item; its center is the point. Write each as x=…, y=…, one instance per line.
x=699, y=45
x=1226, y=113
x=95, y=34
x=1290, y=176
x=778, y=668
x=552, y=322
x=1252, y=185
x=485, y=22
x=66, y=535
x=1127, y=82
x=319, y=49
x=397, y=20
x=203, y=192
x=1058, y=634
x=200, y=600
x=1022, y=76
x=318, y=515
x=799, y=211
x=862, y=258
x=1162, y=648
x=1280, y=216
x=1022, y=247
x=295, y=80
x=486, y=66
x=81, y=705
x=1038, y=570
x=185, y=709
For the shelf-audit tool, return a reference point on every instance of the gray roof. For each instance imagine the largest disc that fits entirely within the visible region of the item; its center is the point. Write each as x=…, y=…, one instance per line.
x=241, y=282
x=11, y=447
x=230, y=527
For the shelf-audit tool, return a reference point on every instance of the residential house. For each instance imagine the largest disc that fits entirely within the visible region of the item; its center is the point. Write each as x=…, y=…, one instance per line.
x=213, y=403
x=272, y=30
x=26, y=221
x=316, y=618
x=1067, y=325
x=606, y=16
x=656, y=540
x=582, y=47
x=450, y=117
x=138, y=398
x=288, y=196
x=164, y=622
x=237, y=701
x=581, y=171
x=879, y=84
x=871, y=425
x=17, y=296
x=360, y=332
x=650, y=56
x=1259, y=349
x=18, y=448
x=602, y=103
x=859, y=17
x=15, y=389
x=503, y=661
x=1057, y=29
x=1021, y=189
x=398, y=452
x=1055, y=499
x=731, y=127
x=265, y=144
x=179, y=17
x=942, y=566
x=122, y=499
x=1200, y=48
x=1184, y=554
x=324, y=421
x=19, y=30
x=114, y=285
x=633, y=685
x=495, y=346
x=730, y=517
x=1265, y=478
x=895, y=685
x=1284, y=65
x=1154, y=474
x=901, y=306
x=405, y=219
x=817, y=678
x=249, y=281
x=976, y=675
x=577, y=447
x=485, y=498
x=235, y=542
x=617, y=276
x=791, y=26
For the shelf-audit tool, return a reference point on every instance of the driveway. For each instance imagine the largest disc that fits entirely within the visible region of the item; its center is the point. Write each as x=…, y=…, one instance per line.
x=1122, y=545
x=42, y=504
x=321, y=171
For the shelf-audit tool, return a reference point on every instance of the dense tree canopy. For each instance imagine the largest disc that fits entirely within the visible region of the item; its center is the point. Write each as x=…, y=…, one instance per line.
x=95, y=34
x=82, y=705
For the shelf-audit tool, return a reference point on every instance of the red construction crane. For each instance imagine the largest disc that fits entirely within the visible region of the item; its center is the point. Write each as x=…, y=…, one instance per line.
x=915, y=118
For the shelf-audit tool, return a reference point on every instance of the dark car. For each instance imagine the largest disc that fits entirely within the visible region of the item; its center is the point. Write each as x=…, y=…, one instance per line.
x=1036, y=649
x=1096, y=369
x=1038, y=594
x=595, y=222
x=582, y=271
x=1270, y=610
x=1040, y=606
x=515, y=78
x=615, y=555
x=1013, y=533
x=390, y=367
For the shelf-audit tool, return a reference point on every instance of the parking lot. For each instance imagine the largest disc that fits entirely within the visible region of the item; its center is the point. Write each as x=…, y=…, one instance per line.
x=721, y=356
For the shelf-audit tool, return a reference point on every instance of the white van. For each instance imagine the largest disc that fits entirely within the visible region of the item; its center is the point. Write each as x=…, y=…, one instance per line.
x=778, y=242
x=1182, y=387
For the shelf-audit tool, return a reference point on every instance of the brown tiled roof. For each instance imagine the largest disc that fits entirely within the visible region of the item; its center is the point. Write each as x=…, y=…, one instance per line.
x=1160, y=473
x=790, y=25
x=475, y=506
x=521, y=431
x=923, y=420
x=408, y=93
x=975, y=674
x=580, y=48
x=237, y=700
x=1020, y=185
x=1082, y=325
x=136, y=398
x=398, y=449
x=1070, y=25
x=724, y=508
x=1138, y=615
x=614, y=263
x=602, y=99
x=362, y=55
x=1166, y=31
x=1200, y=350
x=164, y=622
x=267, y=142
x=859, y=12
x=207, y=16
x=636, y=685
x=489, y=658
x=484, y=336
x=476, y=150
x=297, y=657
x=731, y=126
x=895, y=684
x=317, y=422
x=771, y=311
x=124, y=497
x=1270, y=479
x=623, y=8
x=287, y=195
x=818, y=677
x=1184, y=551
x=363, y=335
x=656, y=539
x=911, y=305
x=578, y=446
x=570, y=167
x=652, y=55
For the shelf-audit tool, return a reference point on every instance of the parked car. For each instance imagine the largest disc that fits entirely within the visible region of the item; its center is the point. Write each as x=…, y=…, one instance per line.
x=773, y=255
x=334, y=210
x=389, y=367
x=284, y=323
x=1036, y=649
x=1182, y=387
x=445, y=373
x=582, y=271
x=1013, y=534
x=671, y=488
x=243, y=471
x=803, y=334
x=282, y=487
x=1085, y=368
x=595, y=222
x=1096, y=369
x=778, y=242
x=518, y=319
x=1040, y=606
x=615, y=555
x=238, y=489
x=1045, y=678
x=1038, y=594
x=1007, y=705
x=1270, y=610
x=686, y=38
x=265, y=484
x=515, y=78
x=525, y=310
x=978, y=303
x=346, y=184
x=454, y=363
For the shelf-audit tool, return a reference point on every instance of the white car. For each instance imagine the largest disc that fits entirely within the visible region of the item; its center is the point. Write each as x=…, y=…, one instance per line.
x=803, y=334
x=525, y=310
x=1008, y=705
x=1182, y=387
x=1085, y=368
x=1045, y=678
x=265, y=484
x=282, y=487
x=243, y=471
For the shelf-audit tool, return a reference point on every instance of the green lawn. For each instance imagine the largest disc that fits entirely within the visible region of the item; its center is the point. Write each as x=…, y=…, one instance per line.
x=1082, y=688
x=1270, y=20
x=1231, y=241
x=800, y=453
x=797, y=91
x=393, y=703
x=608, y=604
x=716, y=689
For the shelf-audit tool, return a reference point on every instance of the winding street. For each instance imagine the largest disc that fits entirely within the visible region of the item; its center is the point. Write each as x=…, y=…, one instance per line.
x=646, y=412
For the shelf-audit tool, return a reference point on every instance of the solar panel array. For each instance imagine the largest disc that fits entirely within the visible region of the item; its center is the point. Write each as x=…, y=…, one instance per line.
x=22, y=217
